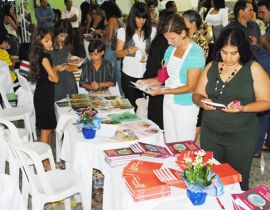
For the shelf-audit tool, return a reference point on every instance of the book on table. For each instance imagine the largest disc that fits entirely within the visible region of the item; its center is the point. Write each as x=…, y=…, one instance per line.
x=150, y=150
x=176, y=147
x=119, y=156
x=227, y=174
x=253, y=199
x=146, y=186
x=140, y=167
x=78, y=102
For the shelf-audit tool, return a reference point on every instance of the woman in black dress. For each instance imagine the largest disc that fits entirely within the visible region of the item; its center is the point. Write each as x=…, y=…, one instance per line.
x=45, y=76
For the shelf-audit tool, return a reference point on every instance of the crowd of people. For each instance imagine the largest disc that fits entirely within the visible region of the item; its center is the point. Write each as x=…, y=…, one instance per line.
x=207, y=57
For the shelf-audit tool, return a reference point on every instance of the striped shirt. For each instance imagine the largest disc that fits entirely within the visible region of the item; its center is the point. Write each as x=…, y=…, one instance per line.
x=4, y=56
x=105, y=73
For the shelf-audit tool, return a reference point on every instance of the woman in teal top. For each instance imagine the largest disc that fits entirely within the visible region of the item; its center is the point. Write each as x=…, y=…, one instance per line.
x=242, y=85
x=184, y=60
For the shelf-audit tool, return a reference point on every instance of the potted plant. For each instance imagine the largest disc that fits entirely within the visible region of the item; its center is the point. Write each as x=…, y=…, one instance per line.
x=89, y=122
x=198, y=176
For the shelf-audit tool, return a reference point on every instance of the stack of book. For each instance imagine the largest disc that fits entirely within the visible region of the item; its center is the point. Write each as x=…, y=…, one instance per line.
x=141, y=181
x=227, y=174
x=150, y=150
x=116, y=157
x=253, y=199
x=176, y=147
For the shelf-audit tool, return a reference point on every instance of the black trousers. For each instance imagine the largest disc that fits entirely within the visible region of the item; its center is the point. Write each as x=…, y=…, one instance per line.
x=234, y=148
x=130, y=92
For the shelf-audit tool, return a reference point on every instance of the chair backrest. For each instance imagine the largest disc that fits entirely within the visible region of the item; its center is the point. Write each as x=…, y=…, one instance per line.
x=4, y=97
x=25, y=95
x=5, y=78
x=37, y=178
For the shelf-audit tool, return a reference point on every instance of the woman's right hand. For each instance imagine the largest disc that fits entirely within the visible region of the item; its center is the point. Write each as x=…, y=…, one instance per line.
x=132, y=49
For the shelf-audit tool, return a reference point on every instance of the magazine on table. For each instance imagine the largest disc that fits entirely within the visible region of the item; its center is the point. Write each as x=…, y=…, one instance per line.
x=177, y=147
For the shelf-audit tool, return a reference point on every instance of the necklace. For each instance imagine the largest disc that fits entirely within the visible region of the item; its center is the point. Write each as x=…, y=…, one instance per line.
x=220, y=87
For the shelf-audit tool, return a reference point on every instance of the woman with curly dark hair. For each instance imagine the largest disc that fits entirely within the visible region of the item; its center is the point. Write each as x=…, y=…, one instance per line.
x=45, y=75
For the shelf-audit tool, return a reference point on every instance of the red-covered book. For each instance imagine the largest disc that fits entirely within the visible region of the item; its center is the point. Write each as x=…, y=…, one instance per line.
x=228, y=175
x=120, y=153
x=177, y=147
x=140, y=167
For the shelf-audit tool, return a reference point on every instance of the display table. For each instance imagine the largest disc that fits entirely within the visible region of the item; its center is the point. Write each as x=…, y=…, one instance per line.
x=83, y=155
x=117, y=197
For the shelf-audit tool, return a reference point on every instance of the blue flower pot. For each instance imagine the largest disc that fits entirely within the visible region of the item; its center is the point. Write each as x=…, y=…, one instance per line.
x=88, y=133
x=197, y=198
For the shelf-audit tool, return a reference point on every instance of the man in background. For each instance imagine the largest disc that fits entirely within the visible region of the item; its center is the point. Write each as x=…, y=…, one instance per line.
x=44, y=15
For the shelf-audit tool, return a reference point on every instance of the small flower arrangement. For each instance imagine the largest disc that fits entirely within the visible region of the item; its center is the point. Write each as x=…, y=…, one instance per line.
x=197, y=172
x=88, y=119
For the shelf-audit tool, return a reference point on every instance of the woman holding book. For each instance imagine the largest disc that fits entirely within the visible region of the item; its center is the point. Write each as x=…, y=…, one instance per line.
x=184, y=60
x=240, y=84
x=133, y=42
x=67, y=83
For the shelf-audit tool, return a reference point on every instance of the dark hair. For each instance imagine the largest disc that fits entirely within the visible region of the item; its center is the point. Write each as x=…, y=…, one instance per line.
x=218, y=4
x=265, y=3
x=62, y=26
x=138, y=10
x=193, y=16
x=150, y=3
x=6, y=10
x=169, y=4
x=235, y=37
x=240, y=5
x=57, y=14
x=174, y=23
x=96, y=44
x=163, y=15
x=3, y=38
x=36, y=51
x=111, y=9
x=84, y=10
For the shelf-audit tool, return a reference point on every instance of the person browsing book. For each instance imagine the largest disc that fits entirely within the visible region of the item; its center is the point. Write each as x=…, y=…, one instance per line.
x=133, y=43
x=45, y=75
x=243, y=86
x=97, y=75
x=184, y=60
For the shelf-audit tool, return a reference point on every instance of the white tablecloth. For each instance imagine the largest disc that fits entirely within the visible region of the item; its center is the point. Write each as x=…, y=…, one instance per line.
x=10, y=195
x=83, y=155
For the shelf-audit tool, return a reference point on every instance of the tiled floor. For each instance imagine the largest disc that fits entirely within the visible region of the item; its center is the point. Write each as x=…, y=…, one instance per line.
x=260, y=174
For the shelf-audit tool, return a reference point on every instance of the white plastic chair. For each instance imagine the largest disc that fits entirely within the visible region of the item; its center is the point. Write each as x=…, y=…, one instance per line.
x=114, y=90
x=61, y=135
x=42, y=150
x=25, y=99
x=17, y=113
x=5, y=78
x=50, y=186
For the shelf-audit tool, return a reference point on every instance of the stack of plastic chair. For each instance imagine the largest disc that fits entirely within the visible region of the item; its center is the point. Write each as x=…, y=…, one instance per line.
x=25, y=98
x=43, y=151
x=17, y=113
x=51, y=186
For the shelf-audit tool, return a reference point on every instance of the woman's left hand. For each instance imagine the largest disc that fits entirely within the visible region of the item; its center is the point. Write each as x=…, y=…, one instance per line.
x=154, y=91
x=234, y=107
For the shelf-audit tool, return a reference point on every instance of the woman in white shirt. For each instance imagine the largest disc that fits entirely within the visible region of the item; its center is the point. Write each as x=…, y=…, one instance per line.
x=217, y=17
x=133, y=43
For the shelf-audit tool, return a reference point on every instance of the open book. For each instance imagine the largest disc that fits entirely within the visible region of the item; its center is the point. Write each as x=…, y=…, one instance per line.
x=74, y=63
x=145, y=87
